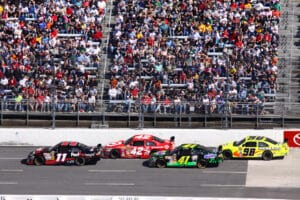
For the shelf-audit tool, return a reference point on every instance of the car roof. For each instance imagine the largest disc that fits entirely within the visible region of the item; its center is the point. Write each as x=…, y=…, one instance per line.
x=258, y=138
x=142, y=137
x=189, y=146
x=70, y=143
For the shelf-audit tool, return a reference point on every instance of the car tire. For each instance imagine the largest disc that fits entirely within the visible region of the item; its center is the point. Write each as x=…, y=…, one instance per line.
x=152, y=152
x=160, y=163
x=114, y=154
x=267, y=155
x=201, y=164
x=79, y=161
x=38, y=161
x=227, y=155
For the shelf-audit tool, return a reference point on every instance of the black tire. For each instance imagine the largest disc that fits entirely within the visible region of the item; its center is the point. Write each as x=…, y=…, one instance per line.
x=79, y=161
x=38, y=161
x=201, y=164
x=152, y=152
x=114, y=154
x=160, y=163
x=267, y=155
x=227, y=155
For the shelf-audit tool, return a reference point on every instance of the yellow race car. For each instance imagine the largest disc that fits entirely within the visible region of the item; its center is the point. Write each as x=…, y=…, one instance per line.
x=254, y=147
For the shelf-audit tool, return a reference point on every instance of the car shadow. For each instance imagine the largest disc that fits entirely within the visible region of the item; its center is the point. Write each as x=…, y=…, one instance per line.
x=23, y=161
x=146, y=163
x=277, y=158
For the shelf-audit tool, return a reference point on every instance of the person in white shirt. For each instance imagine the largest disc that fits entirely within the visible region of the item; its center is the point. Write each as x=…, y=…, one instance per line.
x=4, y=81
x=205, y=103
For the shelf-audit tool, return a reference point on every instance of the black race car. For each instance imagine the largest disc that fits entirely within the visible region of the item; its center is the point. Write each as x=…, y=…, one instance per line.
x=186, y=155
x=65, y=153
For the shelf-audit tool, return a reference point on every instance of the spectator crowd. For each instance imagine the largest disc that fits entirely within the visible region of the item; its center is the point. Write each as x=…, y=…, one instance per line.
x=167, y=55
x=195, y=55
x=49, y=50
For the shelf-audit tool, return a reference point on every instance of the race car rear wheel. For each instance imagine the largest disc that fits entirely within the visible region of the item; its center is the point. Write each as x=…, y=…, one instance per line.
x=161, y=163
x=114, y=154
x=267, y=155
x=227, y=155
x=201, y=164
x=79, y=161
x=38, y=161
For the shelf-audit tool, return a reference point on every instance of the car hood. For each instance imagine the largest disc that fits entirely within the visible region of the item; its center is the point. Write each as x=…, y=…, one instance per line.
x=160, y=153
x=42, y=150
x=119, y=143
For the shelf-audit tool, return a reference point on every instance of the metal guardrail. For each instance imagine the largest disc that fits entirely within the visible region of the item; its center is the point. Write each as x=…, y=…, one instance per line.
x=139, y=115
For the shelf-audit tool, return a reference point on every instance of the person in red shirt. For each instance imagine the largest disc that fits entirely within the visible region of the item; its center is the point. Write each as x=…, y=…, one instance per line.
x=54, y=33
x=166, y=104
x=12, y=82
x=135, y=92
x=239, y=43
x=97, y=36
x=267, y=37
x=59, y=74
x=40, y=102
x=146, y=101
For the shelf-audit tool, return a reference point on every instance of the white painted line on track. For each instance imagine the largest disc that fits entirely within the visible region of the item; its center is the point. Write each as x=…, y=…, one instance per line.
x=110, y=171
x=11, y=170
x=220, y=185
x=111, y=184
x=224, y=172
x=8, y=183
x=10, y=158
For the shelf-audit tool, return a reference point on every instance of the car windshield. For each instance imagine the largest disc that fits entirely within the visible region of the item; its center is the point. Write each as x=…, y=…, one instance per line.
x=271, y=141
x=128, y=141
x=83, y=146
x=54, y=148
x=158, y=139
x=174, y=151
x=238, y=143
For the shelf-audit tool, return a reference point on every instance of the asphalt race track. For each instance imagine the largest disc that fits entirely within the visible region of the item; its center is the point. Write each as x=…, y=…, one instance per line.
x=131, y=177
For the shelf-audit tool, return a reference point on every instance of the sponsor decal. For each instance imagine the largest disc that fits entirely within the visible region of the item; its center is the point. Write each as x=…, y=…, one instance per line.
x=208, y=156
x=296, y=139
x=292, y=138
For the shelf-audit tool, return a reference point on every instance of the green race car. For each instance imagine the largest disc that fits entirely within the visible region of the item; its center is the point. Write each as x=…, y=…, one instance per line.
x=186, y=155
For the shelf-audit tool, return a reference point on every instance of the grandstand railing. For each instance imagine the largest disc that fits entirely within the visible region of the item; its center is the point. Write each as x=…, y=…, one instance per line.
x=129, y=110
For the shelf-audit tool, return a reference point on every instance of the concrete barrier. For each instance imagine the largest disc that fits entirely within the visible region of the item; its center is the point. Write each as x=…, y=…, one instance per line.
x=112, y=197
x=49, y=137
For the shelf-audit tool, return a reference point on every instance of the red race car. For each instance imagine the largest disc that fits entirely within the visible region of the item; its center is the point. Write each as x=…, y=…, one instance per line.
x=65, y=153
x=138, y=146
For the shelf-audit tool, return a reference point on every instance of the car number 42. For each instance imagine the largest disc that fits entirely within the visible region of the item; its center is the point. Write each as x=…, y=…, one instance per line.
x=137, y=151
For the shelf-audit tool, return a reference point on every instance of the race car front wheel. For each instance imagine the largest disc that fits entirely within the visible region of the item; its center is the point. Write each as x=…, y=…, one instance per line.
x=227, y=154
x=38, y=161
x=114, y=154
x=267, y=155
x=79, y=161
x=161, y=163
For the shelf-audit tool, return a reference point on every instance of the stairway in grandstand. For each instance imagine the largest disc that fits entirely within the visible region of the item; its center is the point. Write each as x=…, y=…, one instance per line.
x=106, y=62
x=288, y=93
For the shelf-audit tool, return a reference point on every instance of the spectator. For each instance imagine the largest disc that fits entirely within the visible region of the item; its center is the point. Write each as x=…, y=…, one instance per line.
x=18, y=102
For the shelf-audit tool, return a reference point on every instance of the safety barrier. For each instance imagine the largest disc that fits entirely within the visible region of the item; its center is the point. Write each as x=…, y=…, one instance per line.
x=111, y=197
x=48, y=137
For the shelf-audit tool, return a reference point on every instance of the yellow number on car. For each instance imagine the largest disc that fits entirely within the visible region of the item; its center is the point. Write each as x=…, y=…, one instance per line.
x=183, y=160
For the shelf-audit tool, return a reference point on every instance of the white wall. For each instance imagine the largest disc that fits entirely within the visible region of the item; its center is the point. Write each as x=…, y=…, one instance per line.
x=49, y=137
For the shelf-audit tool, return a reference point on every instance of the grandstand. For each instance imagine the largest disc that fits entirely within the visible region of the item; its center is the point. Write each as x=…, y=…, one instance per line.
x=214, y=63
